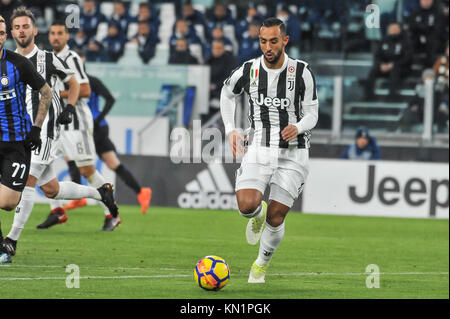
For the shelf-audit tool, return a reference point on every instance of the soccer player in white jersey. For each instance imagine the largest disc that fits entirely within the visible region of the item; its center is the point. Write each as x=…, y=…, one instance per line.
x=77, y=137
x=283, y=109
x=42, y=173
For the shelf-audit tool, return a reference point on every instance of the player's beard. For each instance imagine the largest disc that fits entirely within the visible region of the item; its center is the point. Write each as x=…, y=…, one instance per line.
x=23, y=43
x=275, y=58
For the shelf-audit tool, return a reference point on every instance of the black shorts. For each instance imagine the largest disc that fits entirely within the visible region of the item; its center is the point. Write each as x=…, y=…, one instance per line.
x=15, y=160
x=101, y=139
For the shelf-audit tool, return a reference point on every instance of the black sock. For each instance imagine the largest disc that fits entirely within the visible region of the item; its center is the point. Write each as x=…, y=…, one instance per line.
x=74, y=172
x=128, y=178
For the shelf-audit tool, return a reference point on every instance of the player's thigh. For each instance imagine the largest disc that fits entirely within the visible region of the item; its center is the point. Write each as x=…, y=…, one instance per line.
x=103, y=143
x=251, y=182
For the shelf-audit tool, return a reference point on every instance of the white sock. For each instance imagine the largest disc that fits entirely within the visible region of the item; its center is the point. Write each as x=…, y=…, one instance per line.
x=55, y=204
x=96, y=180
x=71, y=190
x=269, y=242
x=256, y=213
x=23, y=212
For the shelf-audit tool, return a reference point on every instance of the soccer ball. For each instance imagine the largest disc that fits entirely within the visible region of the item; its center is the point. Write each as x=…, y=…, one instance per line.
x=212, y=273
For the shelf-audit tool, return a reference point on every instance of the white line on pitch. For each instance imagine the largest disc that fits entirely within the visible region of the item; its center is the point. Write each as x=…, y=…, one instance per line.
x=237, y=275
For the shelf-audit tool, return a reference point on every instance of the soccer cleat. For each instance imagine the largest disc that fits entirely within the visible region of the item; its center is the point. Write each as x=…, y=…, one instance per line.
x=5, y=258
x=255, y=226
x=144, y=198
x=9, y=246
x=111, y=223
x=76, y=203
x=57, y=216
x=107, y=193
x=257, y=274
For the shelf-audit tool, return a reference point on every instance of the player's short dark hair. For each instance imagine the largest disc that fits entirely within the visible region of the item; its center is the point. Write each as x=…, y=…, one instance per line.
x=59, y=22
x=273, y=22
x=22, y=11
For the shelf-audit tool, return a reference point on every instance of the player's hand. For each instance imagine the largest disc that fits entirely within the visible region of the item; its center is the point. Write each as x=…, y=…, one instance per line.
x=33, y=138
x=237, y=141
x=66, y=115
x=289, y=133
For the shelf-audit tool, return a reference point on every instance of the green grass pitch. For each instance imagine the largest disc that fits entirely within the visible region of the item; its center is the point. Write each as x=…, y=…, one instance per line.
x=153, y=256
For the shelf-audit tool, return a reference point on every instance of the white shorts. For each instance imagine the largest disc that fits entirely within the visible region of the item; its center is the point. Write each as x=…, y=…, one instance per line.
x=79, y=146
x=41, y=163
x=285, y=170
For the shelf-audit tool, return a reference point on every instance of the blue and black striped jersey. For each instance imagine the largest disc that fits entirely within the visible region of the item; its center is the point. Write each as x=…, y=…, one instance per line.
x=16, y=73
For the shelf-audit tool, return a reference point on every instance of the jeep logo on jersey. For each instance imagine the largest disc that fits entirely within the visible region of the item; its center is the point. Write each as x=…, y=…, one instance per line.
x=272, y=101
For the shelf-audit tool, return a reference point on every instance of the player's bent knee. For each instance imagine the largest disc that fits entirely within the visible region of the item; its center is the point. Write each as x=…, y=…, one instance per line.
x=248, y=205
x=50, y=191
x=87, y=171
x=275, y=220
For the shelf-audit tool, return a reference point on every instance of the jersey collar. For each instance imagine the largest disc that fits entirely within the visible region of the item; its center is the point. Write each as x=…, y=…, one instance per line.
x=64, y=52
x=32, y=53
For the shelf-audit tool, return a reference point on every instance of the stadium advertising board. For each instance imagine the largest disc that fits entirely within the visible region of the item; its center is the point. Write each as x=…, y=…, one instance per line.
x=367, y=188
x=377, y=188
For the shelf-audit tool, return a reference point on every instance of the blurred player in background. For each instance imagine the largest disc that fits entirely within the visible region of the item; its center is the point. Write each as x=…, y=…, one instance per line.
x=105, y=147
x=18, y=136
x=77, y=137
x=42, y=172
x=283, y=109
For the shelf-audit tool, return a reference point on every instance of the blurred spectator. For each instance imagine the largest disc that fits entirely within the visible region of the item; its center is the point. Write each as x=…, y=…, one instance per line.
x=392, y=60
x=220, y=17
x=442, y=91
x=182, y=31
x=292, y=26
x=90, y=18
x=426, y=28
x=217, y=34
x=195, y=20
x=78, y=41
x=249, y=45
x=243, y=25
x=222, y=62
x=147, y=13
x=121, y=17
x=412, y=116
x=181, y=54
x=94, y=51
x=6, y=9
x=146, y=40
x=364, y=148
x=114, y=43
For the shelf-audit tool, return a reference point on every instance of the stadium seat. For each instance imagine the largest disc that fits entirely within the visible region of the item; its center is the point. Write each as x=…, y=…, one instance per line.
x=197, y=52
x=200, y=7
x=134, y=8
x=107, y=8
x=228, y=31
x=131, y=55
x=132, y=30
x=200, y=30
x=102, y=31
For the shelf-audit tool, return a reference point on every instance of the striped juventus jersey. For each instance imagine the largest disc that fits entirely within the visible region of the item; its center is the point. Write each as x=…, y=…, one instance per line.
x=54, y=71
x=82, y=119
x=277, y=98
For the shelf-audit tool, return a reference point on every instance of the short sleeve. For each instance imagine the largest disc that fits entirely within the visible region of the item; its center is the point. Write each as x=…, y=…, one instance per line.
x=29, y=74
x=310, y=96
x=61, y=69
x=235, y=83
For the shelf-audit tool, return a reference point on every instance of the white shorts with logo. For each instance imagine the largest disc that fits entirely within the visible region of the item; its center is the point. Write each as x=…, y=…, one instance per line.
x=285, y=170
x=79, y=146
x=42, y=163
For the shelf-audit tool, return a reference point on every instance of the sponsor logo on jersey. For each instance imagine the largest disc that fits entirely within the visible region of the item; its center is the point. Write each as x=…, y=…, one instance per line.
x=272, y=101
